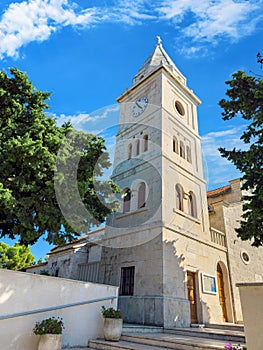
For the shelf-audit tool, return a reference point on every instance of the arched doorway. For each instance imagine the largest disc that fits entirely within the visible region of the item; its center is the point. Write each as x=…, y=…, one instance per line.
x=222, y=291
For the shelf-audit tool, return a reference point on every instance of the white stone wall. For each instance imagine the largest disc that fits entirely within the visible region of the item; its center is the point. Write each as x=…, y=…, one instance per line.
x=23, y=292
x=182, y=254
x=241, y=271
x=148, y=261
x=227, y=211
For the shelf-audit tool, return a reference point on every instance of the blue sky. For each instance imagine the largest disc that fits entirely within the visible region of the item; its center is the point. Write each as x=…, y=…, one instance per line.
x=86, y=53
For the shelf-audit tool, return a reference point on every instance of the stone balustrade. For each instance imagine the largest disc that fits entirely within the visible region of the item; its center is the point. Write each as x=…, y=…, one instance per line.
x=218, y=237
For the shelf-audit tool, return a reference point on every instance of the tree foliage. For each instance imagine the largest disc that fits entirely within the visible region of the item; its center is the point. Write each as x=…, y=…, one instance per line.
x=29, y=143
x=15, y=257
x=245, y=99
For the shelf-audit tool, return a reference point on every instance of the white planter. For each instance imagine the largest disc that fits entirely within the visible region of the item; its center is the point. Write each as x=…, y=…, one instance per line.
x=50, y=341
x=112, y=328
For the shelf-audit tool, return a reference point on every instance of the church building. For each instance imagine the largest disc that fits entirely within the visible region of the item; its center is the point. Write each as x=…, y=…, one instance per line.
x=171, y=247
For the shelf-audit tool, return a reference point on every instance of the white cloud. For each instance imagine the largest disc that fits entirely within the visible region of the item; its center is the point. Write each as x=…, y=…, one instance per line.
x=77, y=119
x=103, y=119
x=220, y=170
x=206, y=21
x=36, y=20
x=202, y=21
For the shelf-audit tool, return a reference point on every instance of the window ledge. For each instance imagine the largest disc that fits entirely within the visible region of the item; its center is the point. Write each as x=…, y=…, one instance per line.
x=177, y=211
x=128, y=213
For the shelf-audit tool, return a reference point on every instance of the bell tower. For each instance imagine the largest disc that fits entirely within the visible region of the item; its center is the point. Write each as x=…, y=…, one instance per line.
x=159, y=236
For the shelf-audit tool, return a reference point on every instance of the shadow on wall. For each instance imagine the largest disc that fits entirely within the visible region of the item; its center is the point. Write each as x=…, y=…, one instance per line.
x=182, y=287
x=157, y=279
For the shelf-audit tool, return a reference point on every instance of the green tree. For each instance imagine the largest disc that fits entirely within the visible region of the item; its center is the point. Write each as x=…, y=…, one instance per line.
x=245, y=99
x=29, y=143
x=15, y=257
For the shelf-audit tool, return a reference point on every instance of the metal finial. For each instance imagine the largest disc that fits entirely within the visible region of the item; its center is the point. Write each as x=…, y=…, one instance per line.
x=159, y=40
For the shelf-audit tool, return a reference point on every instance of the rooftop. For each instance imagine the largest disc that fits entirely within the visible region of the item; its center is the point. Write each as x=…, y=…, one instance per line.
x=219, y=191
x=157, y=58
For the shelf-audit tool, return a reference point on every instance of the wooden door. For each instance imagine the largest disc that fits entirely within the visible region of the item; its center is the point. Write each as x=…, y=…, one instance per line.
x=192, y=296
x=221, y=292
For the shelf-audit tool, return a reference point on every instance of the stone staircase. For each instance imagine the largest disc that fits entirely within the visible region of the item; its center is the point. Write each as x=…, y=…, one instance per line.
x=136, y=337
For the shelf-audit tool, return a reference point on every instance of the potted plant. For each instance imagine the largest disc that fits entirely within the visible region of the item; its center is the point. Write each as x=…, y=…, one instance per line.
x=50, y=331
x=112, y=323
x=228, y=346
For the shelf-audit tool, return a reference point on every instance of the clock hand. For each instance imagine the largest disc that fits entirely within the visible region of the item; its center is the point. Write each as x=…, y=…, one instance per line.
x=138, y=105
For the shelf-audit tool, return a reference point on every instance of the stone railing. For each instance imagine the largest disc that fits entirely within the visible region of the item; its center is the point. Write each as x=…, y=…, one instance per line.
x=218, y=237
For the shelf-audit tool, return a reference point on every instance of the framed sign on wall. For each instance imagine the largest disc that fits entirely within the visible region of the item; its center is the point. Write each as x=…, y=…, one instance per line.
x=209, y=283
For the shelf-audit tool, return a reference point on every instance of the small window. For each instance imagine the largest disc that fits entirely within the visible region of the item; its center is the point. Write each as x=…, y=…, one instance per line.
x=179, y=197
x=179, y=107
x=192, y=204
x=145, y=143
x=127, y=280
x=188, y=154
x=175, y=145
x=127, y=200
x=141, y=195
x=245, y=257
x=182, y=149
x=130, y=151
x=137, y=147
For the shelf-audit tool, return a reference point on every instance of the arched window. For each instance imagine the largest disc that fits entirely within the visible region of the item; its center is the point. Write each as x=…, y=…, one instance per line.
x=127, y=200
x=137, y=147
x=188, y=154
x=182, y=149
x=179, y=197
x=145, y=143
x=130, y=151
x=192, y=204
x=175, y=145
x=141, y=195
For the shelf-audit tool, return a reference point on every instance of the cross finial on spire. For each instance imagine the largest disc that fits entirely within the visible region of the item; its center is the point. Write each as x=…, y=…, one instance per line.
x=159, y=40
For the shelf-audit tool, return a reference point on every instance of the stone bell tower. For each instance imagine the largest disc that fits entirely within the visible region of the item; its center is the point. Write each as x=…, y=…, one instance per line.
x=158, y=243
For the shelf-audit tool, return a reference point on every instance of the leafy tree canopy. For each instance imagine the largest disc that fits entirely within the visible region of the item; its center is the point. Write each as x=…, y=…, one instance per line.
x=29, y=143
x=245, y=99
x=15, y=257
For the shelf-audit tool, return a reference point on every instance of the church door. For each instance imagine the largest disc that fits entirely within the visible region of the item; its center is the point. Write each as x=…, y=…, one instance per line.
x=192, y=296
x=221, y=292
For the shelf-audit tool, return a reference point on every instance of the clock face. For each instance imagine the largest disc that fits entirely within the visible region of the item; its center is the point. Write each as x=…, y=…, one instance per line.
x=139, y=106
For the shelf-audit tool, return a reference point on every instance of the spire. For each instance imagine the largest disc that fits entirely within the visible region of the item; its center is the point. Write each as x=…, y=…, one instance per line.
x=158, y=57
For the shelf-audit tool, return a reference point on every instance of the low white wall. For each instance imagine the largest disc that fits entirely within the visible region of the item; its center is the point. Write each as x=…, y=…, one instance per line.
x=23, y=292
x=251, y=296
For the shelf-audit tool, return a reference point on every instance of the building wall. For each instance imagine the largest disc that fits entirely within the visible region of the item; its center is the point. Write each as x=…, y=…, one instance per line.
x=72, y=260
x=145, y=306
x=24, y=292
x=181, y=254
x=225, y=217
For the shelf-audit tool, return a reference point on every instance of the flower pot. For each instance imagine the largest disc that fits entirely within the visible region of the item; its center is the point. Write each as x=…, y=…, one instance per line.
x=50, y=341
x=112, y=328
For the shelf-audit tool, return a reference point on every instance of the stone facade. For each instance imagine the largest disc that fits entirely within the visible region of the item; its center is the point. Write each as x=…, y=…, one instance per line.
x=79, y=259
x=171, y=248
x=244, y=261
x=167, y=241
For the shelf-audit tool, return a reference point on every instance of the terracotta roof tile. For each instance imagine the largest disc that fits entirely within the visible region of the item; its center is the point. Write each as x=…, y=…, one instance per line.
x=219, y=191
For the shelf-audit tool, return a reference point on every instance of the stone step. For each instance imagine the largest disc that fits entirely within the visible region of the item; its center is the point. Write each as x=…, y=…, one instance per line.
x=157, y=341
x=210, y=333
x=120, y=345
x=226, y=326
x=137, y=328
x=76, y=348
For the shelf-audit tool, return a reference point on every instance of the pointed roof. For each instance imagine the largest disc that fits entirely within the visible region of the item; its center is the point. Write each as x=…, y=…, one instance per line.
x=157, y=58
